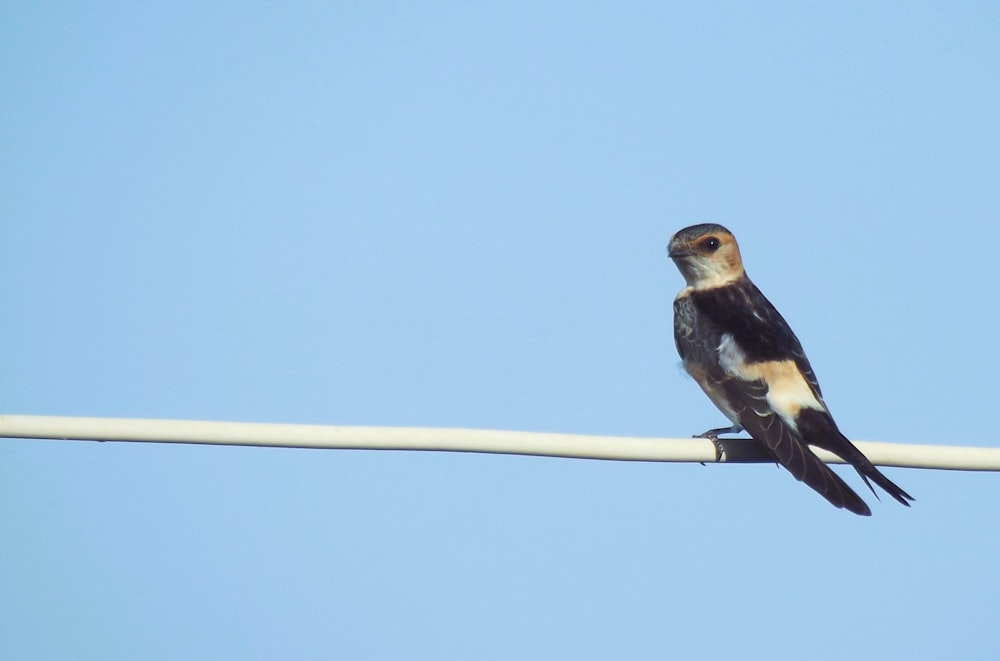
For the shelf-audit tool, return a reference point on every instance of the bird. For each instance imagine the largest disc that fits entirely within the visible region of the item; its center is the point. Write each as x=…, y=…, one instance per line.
x=736, y=345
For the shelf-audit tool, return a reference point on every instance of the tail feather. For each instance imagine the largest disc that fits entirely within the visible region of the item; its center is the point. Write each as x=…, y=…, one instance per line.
x=820, y=430
x=804, y=466
x=789, y=444
x=835, y=490
x=867, y=470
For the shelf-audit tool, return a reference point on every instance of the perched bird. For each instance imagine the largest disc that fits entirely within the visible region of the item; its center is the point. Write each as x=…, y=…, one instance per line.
x=748, y=361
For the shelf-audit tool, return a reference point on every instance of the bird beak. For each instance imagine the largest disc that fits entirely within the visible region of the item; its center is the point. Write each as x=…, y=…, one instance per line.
x=678, y=252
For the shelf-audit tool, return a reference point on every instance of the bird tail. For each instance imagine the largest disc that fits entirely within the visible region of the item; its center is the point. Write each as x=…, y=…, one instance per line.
x=804, y=466
x=810, y=469
x=820, y=430
x=830, y=485
x=866, y=470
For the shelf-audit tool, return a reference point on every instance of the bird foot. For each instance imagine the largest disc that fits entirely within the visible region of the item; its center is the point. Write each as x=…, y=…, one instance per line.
x=713, y=435
x=719, y=449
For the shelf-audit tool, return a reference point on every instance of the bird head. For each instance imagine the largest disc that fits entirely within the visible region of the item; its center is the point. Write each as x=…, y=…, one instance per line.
x=707, y=256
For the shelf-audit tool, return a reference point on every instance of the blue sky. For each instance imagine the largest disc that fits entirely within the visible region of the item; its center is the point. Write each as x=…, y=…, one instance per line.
x=455, y=215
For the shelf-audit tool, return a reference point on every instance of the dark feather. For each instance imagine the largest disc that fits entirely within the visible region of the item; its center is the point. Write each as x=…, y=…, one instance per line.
x=740, y=310
x=787, y=447
x=819, y=428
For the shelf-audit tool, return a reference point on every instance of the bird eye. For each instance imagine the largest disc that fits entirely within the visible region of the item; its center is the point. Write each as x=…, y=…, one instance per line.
x=711, y=244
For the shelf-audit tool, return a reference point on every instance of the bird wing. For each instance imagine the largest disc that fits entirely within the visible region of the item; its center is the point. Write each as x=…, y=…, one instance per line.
x=701, y=319
x=749, y=400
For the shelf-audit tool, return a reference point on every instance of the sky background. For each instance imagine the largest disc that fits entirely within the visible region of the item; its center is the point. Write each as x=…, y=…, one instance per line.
x=455, y=215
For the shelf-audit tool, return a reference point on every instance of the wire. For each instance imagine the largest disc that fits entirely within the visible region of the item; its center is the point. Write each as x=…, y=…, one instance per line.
x=619, y=448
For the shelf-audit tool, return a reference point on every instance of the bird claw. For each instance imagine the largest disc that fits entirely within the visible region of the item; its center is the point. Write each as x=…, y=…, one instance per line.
x=719, y=449
x=713, y=435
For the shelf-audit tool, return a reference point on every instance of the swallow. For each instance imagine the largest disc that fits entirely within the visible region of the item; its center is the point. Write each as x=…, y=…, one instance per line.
x=743, y=354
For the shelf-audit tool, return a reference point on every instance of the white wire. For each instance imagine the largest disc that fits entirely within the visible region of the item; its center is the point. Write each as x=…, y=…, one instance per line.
x=466, y=440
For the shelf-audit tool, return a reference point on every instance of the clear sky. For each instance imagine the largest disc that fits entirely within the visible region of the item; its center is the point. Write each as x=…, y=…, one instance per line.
x=455, y=215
